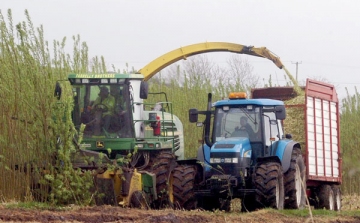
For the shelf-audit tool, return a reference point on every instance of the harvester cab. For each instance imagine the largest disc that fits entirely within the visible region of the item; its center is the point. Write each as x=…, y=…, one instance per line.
x=121, y=130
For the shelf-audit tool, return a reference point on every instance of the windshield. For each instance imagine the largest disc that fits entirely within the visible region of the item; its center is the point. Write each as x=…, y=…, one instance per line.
x=104, y=110
x=237, y=122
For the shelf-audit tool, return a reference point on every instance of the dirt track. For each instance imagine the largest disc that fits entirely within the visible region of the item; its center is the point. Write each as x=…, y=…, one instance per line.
x=117, y=214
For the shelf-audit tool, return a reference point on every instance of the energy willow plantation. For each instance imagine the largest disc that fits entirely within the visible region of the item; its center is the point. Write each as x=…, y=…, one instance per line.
x=33, y=120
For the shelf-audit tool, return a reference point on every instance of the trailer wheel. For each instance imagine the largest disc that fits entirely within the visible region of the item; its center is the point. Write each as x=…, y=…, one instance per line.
x=337, y=196
x=269, y=183
x=183, y=187
x=161, y=168
x=294, y=182
x=326, y=197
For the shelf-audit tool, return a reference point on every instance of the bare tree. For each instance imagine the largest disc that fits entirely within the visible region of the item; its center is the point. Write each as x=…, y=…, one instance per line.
x=240, y=74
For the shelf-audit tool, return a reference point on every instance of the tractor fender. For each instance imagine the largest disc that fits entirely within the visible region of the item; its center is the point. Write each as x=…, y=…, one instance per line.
x=284, y=151
x=203, y=156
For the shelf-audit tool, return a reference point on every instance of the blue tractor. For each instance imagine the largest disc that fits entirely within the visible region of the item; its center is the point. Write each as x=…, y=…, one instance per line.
x=245, y=155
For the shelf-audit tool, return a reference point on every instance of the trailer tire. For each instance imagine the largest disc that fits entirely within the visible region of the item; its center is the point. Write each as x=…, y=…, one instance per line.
x=294, y=182
x=326, y=197
x=161, y=168
x=184, y=187
x=269, y=185
x=337, y=197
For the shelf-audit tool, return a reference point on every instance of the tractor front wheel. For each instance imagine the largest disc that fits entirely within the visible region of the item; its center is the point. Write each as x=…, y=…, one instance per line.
x=269, y=183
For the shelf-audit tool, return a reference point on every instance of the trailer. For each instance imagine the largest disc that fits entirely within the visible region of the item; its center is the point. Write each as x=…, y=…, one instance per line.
x=313, y=120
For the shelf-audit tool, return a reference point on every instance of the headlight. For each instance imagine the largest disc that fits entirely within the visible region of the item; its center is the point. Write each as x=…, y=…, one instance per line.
x=235, y=160
x=247, y=154
x=215, y=160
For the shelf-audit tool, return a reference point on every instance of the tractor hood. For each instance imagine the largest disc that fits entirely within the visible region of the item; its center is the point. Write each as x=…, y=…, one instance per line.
x=237, y=145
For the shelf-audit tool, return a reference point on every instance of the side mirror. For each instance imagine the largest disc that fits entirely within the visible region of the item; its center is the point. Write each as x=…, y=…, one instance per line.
x=144, y=90
x=58, y=90
x=288, y=136
x=280, y=112
x=193, y=115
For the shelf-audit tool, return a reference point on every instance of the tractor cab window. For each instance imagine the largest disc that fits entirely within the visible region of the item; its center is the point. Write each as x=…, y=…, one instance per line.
x=103, y=109
x=273, y=131
x=237, y=122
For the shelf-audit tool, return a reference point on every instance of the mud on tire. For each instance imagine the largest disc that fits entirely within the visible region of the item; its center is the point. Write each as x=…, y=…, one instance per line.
x=269, y=182
x=183, y=187
x=294, y=182
x=161, y=168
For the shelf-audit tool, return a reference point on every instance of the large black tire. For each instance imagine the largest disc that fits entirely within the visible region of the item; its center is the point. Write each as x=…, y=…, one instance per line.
x=295, y=183
x=337, y=197
x=161, y=168
x=326, y=197
x=184, y=187
x=269, y=182
x=138, y=200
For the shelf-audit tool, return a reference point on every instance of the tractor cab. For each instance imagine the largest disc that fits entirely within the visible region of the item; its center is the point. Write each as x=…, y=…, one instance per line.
x=255, y=125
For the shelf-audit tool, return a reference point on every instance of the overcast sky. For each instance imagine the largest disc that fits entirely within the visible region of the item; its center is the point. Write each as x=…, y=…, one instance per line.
x=322, y=35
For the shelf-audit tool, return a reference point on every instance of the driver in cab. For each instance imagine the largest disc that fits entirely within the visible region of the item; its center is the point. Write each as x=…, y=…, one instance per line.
x=105, y=103
x=244, y=128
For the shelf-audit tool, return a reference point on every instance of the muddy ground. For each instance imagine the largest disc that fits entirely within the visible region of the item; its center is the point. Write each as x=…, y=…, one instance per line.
x=118, y=214
x=98, y=214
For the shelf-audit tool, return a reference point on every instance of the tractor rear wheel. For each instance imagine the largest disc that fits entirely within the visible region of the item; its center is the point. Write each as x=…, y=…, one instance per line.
x=326, y=197
x=269, y=183
x=294, y=182
x=184, y=187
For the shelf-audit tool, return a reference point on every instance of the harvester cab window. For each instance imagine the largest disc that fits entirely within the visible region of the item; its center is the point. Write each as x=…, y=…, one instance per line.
x=102, y=109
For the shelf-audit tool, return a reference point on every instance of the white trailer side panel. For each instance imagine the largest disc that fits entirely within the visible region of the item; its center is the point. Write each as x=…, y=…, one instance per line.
x=322, y=129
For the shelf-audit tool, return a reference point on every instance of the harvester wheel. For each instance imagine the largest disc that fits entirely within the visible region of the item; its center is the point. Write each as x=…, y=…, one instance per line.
x=269, y=183
x=138, y=200
x=183, y=187
x=337, y=196
x=294, y=182
x=161, y=168
x=326, y=197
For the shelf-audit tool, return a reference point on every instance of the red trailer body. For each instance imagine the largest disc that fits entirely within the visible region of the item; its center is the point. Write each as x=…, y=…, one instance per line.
x=323, y=160
x=318, y=129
